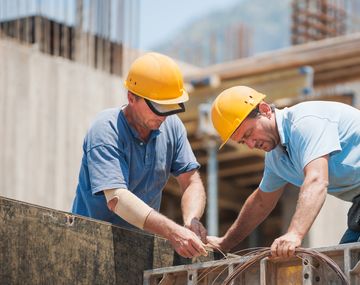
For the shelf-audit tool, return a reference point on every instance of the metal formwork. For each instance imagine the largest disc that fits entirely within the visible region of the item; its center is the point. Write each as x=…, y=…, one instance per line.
x=307, y=270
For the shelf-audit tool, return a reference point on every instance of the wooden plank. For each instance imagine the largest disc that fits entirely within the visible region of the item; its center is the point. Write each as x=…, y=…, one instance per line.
x=242, y=169
x=295, y=56
x=43, y=246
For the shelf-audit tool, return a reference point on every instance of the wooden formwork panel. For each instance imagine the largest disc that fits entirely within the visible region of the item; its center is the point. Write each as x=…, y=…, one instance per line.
x=45, y=246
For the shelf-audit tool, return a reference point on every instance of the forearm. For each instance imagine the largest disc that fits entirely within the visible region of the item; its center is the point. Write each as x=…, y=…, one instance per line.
x=157, y=223
x=311, y=198
x=193, y=202
x=132, y=209
x=251, y=215
x=184, y=241
x=136, y=212
x=127, y=206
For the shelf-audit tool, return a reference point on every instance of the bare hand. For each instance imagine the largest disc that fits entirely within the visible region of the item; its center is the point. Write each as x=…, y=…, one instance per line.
x=216, y=243
x=197, y=227
x=285, y=245
x=186, y=243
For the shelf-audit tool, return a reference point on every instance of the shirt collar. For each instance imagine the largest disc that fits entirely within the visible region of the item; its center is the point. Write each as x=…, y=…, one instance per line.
x=280, y=117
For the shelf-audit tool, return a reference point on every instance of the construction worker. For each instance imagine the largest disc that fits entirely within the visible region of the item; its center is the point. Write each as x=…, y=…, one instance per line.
x=130, y=152
x=312, y=145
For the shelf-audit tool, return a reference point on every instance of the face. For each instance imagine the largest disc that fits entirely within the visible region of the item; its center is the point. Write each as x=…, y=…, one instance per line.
x=142, y=115
x=259, y=132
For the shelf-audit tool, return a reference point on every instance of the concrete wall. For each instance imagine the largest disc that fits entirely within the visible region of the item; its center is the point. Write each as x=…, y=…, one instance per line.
x=46, y=106
x=330, y=224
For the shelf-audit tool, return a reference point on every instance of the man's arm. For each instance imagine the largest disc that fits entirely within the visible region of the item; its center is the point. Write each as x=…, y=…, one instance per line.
x=311, y=198
x=132, y=209
x=256, y=208
x=193, y=202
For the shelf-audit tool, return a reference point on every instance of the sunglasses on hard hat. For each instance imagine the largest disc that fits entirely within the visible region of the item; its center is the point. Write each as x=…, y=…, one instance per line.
x=165, y=109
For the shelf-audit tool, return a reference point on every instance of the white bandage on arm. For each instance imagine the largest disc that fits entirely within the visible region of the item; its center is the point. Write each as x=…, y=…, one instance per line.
x=129, y=206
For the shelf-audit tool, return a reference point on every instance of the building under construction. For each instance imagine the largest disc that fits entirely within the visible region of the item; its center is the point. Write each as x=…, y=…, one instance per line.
x=320, y=19
x=44, y=64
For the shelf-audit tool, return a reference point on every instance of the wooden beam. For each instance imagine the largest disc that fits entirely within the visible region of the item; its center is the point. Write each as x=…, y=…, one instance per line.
x=248, y=181
x=342, y=63
x=232, y=155
x=242, y=169
x=295, y=56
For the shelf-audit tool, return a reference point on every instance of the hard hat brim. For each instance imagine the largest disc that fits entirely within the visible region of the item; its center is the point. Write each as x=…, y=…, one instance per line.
x=237, y=123
x=183, y=98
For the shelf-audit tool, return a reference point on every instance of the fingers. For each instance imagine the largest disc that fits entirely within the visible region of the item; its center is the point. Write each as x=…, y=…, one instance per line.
x=190, y=245
x=282, y=248
x=191, y=250
x=274, y=248
x=199, y=247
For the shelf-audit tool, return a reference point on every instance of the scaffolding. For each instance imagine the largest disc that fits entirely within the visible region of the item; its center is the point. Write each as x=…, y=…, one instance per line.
x=93, y=32
x=306, y=269
x=319, y=19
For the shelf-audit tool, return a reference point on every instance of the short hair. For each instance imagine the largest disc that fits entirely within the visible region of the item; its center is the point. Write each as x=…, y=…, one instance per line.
x=137, y=97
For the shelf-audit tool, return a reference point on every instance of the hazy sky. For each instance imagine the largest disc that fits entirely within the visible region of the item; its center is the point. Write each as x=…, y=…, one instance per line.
x=160, y=18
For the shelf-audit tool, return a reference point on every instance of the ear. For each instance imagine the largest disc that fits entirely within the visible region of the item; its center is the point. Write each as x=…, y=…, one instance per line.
x=131, y=97
x=265, y=109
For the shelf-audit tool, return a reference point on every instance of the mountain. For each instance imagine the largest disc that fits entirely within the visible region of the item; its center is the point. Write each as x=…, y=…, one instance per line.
x=247, y=28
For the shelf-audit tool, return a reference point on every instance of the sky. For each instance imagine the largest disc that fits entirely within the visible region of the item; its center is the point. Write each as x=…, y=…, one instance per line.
x=160, y=18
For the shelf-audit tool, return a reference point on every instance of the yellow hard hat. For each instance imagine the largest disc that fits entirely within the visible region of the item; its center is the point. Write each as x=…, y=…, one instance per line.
x=231, y=108
x=158, y=79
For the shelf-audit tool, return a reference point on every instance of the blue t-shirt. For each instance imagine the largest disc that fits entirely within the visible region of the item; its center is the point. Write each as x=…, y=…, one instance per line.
x=115, y=157
x=308, y=131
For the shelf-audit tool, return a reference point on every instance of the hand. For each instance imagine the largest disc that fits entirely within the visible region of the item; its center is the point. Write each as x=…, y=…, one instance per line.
x=285, y=245
x=197, y=227
x=186, y=243
x=216, y=243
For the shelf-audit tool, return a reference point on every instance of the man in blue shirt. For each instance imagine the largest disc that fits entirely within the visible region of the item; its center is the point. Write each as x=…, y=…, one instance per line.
x=130, y=152
x=312, y=145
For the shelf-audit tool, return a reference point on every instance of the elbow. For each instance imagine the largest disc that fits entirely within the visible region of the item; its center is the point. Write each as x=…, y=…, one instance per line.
x=318, y=185
x=322, y=185
x=112, y=204
x=266, y=205
x=323, y=188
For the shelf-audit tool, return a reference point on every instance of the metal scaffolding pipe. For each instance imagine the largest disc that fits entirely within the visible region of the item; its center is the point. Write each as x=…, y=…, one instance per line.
x=208, y=134
x=212, y=187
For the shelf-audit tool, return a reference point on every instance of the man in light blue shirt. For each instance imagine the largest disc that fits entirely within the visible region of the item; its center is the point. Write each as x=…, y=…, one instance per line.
x=129, y=154
x=312, y=145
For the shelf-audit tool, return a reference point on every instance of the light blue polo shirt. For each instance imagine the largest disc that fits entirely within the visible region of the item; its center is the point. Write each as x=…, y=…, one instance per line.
x=115, y=157
x=308, y=131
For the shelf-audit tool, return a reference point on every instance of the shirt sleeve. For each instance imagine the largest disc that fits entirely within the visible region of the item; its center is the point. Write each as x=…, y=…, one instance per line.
x=271, y=182
x=314, y=137
x=108, y=168
x=184, y=159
